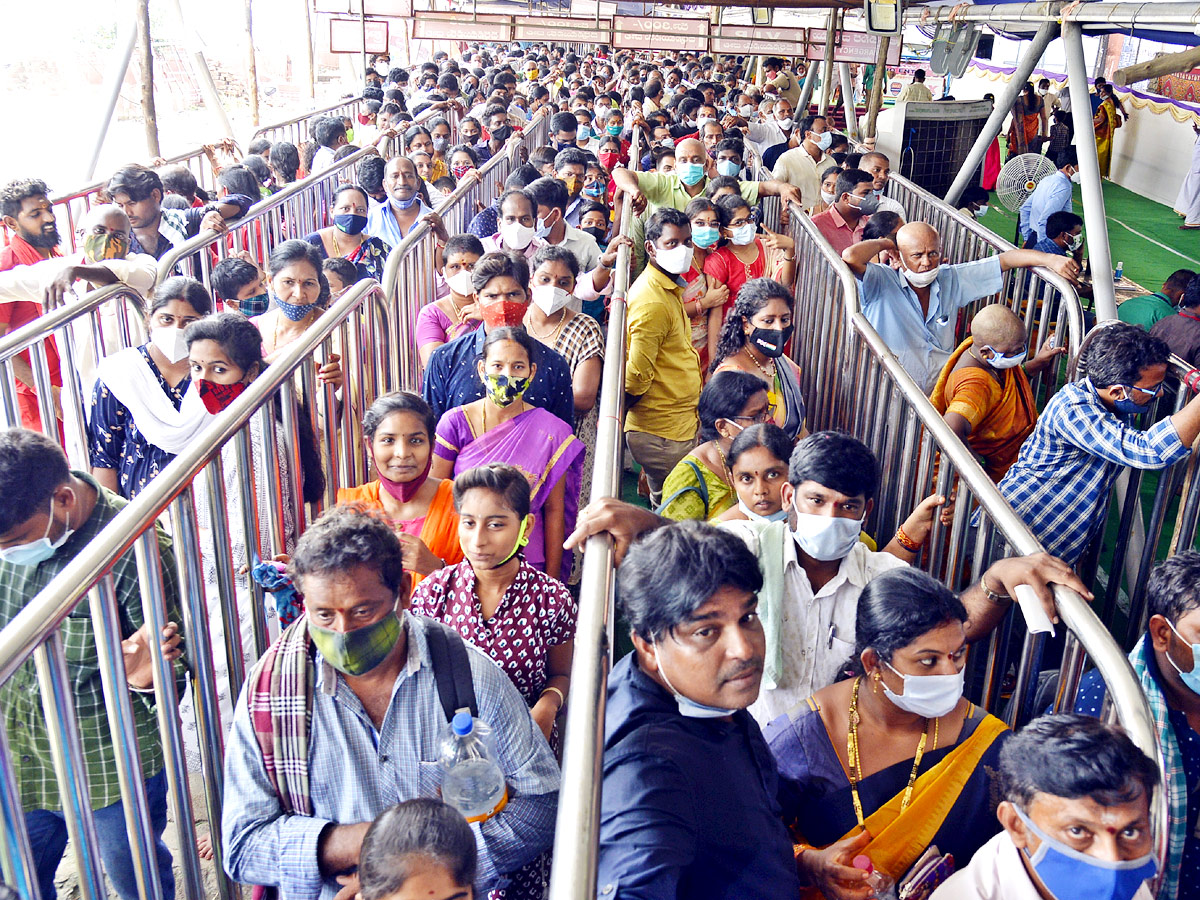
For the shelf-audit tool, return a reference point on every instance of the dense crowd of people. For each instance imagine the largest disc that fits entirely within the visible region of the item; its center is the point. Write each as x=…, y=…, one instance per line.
x=791, y=718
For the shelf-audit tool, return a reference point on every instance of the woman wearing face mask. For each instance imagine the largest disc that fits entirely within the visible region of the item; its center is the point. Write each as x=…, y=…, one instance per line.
x=299, y=294
x=753, y=339
x=399, y=431
x=573, y=335
x=135, y=424
x=457, y=313
x=463, y=160
x=502, y=427
x=895, y=759
x=439, y=136
x=595, y=183
x=701, y=484
x=512, y=611
x=744, y=255
x=346, y=237
x=704, y=297
x=224, y=357
x=758, y=461
x=828, y=188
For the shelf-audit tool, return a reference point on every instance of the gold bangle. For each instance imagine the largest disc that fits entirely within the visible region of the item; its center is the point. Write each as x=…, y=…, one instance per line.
x=562, y=698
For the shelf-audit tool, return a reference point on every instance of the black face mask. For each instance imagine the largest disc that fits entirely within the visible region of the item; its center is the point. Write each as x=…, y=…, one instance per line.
x=770, y=341
x=503, y=133
x=598, y=233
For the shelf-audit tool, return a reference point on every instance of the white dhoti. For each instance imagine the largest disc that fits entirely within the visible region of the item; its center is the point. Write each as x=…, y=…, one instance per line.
x=1187, y=204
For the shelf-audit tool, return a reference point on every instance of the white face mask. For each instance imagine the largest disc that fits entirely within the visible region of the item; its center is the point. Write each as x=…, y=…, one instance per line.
x=460, y=283
x=931, y=696
x=743, y=234
x=515, y=235
x=550, y=298
x=170, y=343
x=826, y=538
x=746, y=110
x=786, y=124
x=827, y=198
x=1076, y=178
x=1075, y=242
x=1000, y=361
x=36, y=552
x=921, y=279
x=981, y=212
x=677, y=260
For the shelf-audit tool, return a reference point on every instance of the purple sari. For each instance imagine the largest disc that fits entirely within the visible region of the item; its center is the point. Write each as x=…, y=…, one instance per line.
x=538, y=443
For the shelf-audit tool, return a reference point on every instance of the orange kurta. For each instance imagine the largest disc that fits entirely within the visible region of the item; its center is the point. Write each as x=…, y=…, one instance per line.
x=1001, y=416
x=440, y=531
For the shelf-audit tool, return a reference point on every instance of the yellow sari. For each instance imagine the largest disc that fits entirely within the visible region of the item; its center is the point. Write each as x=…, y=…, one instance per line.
x=1105, y=122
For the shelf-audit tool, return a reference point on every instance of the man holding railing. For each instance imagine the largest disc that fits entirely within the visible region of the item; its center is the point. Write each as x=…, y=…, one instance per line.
x=49, y=517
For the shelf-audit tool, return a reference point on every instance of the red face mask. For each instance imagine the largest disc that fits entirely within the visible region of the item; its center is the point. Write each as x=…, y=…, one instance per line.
x=217, y=397
x=504, y=313
x=609, y=160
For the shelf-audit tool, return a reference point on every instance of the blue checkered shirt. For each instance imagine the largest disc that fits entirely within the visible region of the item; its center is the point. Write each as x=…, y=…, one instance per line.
x=357, y=771
x=1060, y=482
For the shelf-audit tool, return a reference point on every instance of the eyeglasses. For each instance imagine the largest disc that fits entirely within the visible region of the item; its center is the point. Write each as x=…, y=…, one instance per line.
x=1149, y=393
x=762, y=418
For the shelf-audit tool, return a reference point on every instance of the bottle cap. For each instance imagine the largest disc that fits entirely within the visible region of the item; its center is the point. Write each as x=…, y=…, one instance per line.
x=462, y=723
x=863, y=862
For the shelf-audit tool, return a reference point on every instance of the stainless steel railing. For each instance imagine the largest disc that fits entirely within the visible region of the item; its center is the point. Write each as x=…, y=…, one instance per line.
x=296, y=130
x=97, y=324
x=232, y=488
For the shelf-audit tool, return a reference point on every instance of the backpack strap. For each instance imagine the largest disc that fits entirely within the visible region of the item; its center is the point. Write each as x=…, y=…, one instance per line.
x=701, y=488
x=451, y=669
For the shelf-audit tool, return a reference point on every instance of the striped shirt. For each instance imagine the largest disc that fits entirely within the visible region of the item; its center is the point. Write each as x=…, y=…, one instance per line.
x=357, y=771
x=1060, y=482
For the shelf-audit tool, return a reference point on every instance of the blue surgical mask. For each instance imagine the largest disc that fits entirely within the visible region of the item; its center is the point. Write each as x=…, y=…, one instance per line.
x=689, y=708
x=690, y=173
x=1071, y=875
x=584, y=133
x=296, y=312
x=824, y=139
x=542, y=231
x=406, y=204
x=1192, y=678
x=1128, y=406
x=777, y=516
x=743, y=234
x=38, y=551
x=728, y=167
x=704, y=236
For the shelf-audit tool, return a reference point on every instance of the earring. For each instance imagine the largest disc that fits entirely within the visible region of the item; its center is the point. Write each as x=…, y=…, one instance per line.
x=875, y=683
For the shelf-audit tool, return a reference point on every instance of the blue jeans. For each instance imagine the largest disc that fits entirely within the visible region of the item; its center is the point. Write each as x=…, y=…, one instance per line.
x=48, y=838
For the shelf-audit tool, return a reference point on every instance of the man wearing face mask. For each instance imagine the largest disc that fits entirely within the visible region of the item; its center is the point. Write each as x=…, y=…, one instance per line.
x=501, y=283
x=1076, y=818
x=662, y=369
x=983, y=392
x=843, y=223
x=1166, y=661
x=1085, y=436
x=915, y=309
x=372, y=720
x=1064, y=237
x=689, y=806
x=1181, y=331
x=802, y=166
x=391, y=221
x=49, y=517
x=1052, y=194
x=775, y=130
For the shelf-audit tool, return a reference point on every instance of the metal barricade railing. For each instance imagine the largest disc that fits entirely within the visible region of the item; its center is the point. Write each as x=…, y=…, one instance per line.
x=97, y=324
x=294, y=212
x=577, y=834
x=295, y=130
x=229, y=493
x=852, y=380
x=1046, y=301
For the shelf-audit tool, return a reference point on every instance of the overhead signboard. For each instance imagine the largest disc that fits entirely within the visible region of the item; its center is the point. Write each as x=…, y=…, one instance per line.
x=576, y=31
x=397, y=8
x=346, y=36
x=636, y=33
x=748, y=40
x=851, y=47
x=459, y=26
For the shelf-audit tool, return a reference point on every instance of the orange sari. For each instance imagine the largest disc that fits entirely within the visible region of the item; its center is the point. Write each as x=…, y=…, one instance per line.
x=440, y=530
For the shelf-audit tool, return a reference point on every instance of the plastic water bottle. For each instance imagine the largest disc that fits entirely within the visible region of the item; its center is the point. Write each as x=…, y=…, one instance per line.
x=883, y=886
x=1119, y=271
x=473, y=783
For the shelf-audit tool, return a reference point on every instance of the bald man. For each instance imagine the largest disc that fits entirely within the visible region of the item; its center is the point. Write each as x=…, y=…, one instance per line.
x=983, y=392
x=915, y=309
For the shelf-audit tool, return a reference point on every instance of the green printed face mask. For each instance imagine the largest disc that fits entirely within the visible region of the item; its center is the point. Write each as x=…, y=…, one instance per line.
x=359, y=651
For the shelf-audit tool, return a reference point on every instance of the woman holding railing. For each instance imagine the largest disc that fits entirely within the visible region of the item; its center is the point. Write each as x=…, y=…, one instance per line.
x=893, y=760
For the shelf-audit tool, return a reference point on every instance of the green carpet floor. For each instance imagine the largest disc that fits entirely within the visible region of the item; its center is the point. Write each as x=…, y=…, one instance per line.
x=1143, y=234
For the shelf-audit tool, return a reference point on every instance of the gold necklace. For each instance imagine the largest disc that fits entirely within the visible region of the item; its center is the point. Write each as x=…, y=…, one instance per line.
x=553, y=336
x=854, y=756
x=484, y=408
x=772, y=375
x=728, y=476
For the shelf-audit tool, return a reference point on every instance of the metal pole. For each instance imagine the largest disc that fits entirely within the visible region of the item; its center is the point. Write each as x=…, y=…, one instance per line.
x=203, y=76
x=114, y=94
x=1004, y=104
x=312, y=65
x=1103, y=289
x=827, y=68
x=806, y=91
x=876, y=102
x=146, y=64
x=362, y=23
x=848, y=102
x=251, y=65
